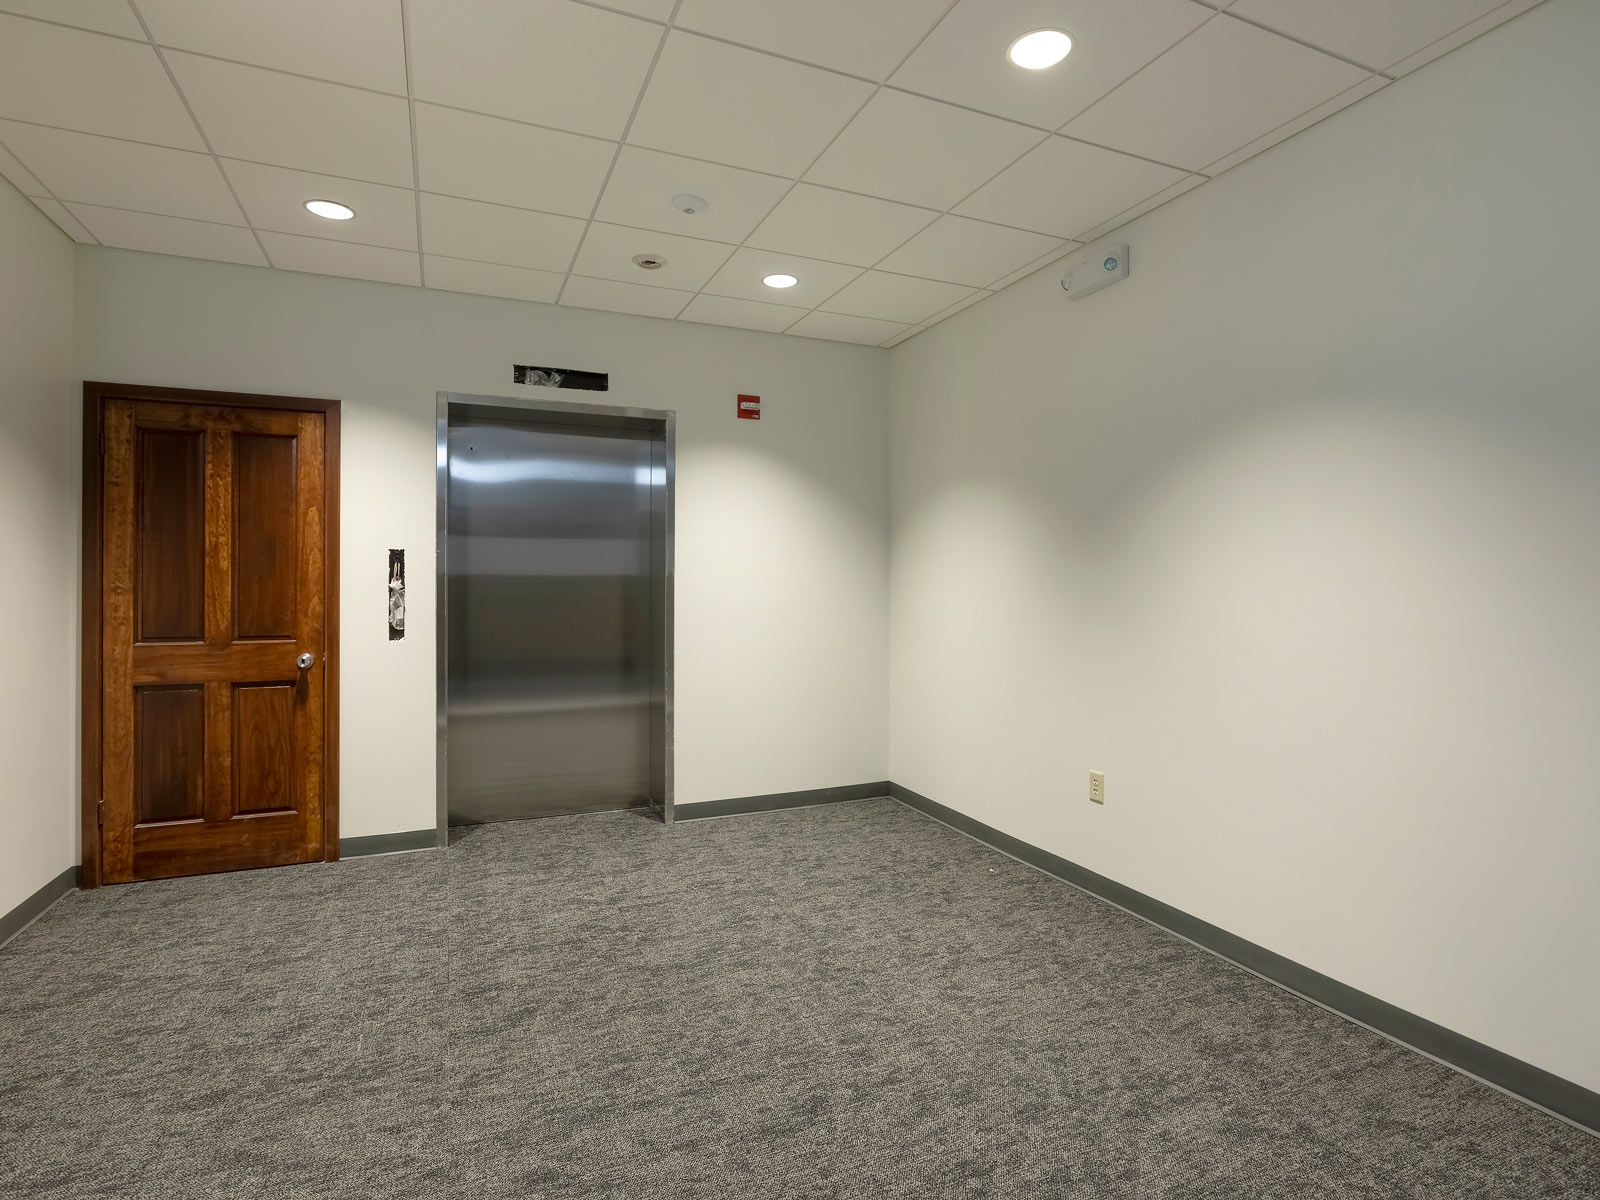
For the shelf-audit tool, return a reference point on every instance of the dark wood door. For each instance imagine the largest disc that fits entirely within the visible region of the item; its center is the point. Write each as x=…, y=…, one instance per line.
x=214, y=580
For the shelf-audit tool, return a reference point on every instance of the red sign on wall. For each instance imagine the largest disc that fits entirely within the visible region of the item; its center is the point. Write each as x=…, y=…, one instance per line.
x=750, y=408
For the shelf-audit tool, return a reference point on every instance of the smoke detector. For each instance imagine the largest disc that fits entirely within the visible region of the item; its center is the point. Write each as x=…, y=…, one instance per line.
x=649, y=262
x=688, y=202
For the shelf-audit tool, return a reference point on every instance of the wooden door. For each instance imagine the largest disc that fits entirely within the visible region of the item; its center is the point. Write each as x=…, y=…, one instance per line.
x=214, y=579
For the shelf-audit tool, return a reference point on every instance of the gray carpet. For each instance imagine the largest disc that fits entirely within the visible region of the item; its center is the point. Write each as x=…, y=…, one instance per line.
x=847, y=1001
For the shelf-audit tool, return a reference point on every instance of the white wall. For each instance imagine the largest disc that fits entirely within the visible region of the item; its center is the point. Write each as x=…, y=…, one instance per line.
x=1296, y=535
x=781, y=601
x=39, y=500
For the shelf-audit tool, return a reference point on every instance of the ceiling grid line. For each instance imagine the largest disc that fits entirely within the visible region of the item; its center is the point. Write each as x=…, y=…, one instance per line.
x=411, y=116
x=877, y=88
x=1154, y=162
x=200, y=130
x=49, y=195
x=35, y=17
x=255, y=66
x=525, y=208
x=1135, y=72
x=708, y=162
x=1300, y=116
x=541, y=211
x=840, y=133
x=1389, y=67
x=1129, y=78
x=1289, y=37
x=711, y=37
x=622, y=140
x=904, y=133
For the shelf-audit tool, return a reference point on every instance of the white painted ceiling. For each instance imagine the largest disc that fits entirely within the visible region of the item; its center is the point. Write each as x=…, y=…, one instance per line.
x=885, y=152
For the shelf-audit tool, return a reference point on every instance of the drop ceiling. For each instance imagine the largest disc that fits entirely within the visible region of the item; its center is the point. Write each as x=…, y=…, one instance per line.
x=885, y=153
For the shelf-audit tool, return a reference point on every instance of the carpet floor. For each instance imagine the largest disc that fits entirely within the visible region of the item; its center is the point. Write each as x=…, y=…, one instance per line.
x=850, y=1001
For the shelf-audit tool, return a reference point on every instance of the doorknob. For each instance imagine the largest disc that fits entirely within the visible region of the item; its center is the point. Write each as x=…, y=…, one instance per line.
x=305, y=660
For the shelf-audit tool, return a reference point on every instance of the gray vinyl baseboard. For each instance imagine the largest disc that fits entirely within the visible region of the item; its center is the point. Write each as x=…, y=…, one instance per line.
x=388, y=843
x=1534, y=1084
x=777, y=800
x=31, y=909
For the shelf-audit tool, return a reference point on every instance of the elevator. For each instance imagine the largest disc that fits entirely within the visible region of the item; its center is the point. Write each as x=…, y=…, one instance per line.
x=555, y=630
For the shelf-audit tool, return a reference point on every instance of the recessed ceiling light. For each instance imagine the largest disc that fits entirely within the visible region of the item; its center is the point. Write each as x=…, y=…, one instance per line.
x=780, y=281
x=1040, y=49
x=330, y=209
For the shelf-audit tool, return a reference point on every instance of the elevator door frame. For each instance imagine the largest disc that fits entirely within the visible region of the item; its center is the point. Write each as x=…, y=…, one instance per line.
x=664, y=421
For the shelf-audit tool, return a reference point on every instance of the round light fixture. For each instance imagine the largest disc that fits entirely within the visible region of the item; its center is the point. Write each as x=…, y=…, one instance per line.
x=331, y=209
x=780, y=281
x=689, y=203
x=1040, y=49
x=649, y=262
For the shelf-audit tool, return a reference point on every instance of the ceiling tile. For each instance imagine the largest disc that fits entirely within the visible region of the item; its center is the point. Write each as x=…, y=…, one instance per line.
x=21, y=178
x=1148, y=204
x=492, y=233
x=487, y=158
x=836, y=327
x=645, y=181
x=68, y=224
x=896, y=298
x=838, y=226
x=78, y=80
x=964, y=59
x=552, y=62
x=264, y=116
x=491, y=279
x=275, y=198
x=169, y=235
x=1066, y=250
x=608, y=252
x=961, y=250
x=1461, y=36
x=353, y=41
x=718, y=102
x=741, y=314
x=612, y=296
x=1063, y=187
x=1304, y=121
x=655, y=10
x=742, y=275
x=293, y=253
x=1374, y=32
x=957, y=307
x=920, y=151
x=117, y=174
x=881, y=33
x=107, y=16
x=1226, y=84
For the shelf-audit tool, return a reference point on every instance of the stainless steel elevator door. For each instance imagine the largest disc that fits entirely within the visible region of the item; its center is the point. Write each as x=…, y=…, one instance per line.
x=552, y=683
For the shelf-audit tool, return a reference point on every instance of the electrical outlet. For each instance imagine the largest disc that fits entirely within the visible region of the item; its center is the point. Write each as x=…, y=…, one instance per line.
x=1097, y=787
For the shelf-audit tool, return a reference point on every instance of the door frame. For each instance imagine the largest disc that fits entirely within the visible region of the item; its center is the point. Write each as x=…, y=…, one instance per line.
x=574, y=412
x=95, y=396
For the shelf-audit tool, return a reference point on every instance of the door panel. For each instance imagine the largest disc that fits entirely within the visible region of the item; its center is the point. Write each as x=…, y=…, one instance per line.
x=169, y=729
x=263, y=747
x=171, y=537
x=266, y=553
x=213, y=583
